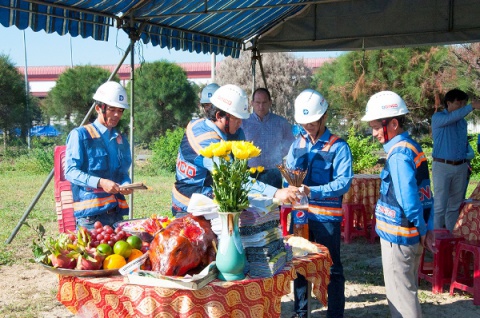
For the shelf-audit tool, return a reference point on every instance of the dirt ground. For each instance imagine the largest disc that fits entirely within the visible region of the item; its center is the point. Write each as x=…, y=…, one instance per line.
x=28, y=290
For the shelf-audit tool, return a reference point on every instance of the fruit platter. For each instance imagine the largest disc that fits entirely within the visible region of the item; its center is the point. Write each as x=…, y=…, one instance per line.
x=177, y=247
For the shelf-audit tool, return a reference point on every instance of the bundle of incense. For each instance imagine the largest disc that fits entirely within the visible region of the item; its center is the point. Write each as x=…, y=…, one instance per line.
x=294, y=177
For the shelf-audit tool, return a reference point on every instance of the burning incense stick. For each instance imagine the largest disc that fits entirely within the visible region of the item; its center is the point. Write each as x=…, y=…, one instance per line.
x=294, y=177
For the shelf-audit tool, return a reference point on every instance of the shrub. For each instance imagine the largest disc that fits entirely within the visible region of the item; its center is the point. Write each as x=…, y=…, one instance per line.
x=363, y=152
x=38, y=160
x=475, y=162
x=165, y=150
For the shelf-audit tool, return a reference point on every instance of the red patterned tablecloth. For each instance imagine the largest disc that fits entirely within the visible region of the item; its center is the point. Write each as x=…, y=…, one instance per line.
x=468, y=223
x=365, y=189
x=115, y=297
x=316, y=269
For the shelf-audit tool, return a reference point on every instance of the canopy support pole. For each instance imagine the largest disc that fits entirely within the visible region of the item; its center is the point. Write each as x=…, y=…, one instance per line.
x=50, y=175
x=134, y=37
x=257, y=57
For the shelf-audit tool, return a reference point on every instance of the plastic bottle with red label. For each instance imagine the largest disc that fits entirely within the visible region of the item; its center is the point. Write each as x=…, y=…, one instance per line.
x=300, y=223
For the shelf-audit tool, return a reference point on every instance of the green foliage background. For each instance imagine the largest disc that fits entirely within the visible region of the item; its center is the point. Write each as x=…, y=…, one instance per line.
x=164, y=99
x=165, y=150
x=72, y=95
x=363, y=152
x=16, y=110
x=413, y=73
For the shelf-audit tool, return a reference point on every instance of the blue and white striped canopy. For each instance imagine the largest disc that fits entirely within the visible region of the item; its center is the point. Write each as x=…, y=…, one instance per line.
x=214, y=26
x=229, y=26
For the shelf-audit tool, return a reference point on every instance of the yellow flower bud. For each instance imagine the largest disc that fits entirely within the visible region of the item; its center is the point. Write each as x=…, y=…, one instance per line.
x=260, y=169
x=253, y=170
x=254, y=180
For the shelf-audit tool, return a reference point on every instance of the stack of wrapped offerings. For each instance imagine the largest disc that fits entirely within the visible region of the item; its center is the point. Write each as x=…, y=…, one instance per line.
x=263, y=240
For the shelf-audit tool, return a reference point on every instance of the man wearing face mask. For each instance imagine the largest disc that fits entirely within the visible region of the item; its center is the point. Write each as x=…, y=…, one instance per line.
x=222, y=122
x=97, y=161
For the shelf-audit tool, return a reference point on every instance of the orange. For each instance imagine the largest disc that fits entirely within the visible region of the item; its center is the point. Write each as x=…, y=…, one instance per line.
x=135, y=254
x=114, y=261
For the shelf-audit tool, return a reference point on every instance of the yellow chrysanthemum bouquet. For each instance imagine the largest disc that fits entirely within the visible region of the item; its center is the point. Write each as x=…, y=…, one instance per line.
x=231, y=173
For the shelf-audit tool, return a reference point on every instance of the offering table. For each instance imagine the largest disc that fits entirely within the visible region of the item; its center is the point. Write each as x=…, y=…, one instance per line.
x=251, y=297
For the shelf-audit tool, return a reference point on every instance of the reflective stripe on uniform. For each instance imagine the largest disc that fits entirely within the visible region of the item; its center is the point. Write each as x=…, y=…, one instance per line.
x=92, y=131
x=330, y=142
x=420, y=156
x=195, y=141
x=324, y=210
x=94, y=203
x=396, y=230
x=180, y=197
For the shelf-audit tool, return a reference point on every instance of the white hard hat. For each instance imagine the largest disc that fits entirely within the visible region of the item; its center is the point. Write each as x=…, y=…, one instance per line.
x=112, y=94
x=310, y=106
x=384, y=104
x=231, y=99
x=207, y=92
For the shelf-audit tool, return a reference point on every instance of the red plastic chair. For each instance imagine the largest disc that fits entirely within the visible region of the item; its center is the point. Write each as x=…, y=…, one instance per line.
x=468, y=258
x=466, y=269
x=284, y=211
x=63, y=192
x=439, y=271
x=355, y=222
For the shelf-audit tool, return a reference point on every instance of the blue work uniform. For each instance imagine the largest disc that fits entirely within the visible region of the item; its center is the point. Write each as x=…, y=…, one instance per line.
x=93, y=152
x=404, y=213
x=404, y=208
x=330, y=173
x=193, y=171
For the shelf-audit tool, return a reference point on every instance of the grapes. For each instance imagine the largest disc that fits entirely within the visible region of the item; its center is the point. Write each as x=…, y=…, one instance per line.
x=104, y=234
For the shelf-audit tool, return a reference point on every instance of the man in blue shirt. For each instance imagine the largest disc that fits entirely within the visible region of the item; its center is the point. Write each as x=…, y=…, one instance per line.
x=404, y=216
x=271, y=133
x=450, y=162
x=328, y=161
x=97, y=161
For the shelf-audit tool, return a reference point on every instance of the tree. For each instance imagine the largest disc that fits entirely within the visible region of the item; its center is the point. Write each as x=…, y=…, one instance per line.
x=72, y=96
x=467, y=69
x=164, y=99
x=413, y=73
x=286, y=77
x=13, y=112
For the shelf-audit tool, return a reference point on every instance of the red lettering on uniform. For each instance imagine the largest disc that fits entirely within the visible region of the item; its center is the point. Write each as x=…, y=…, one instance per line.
x=191, y=171
x=386, y=211
x=425, y=193
x=186, y=169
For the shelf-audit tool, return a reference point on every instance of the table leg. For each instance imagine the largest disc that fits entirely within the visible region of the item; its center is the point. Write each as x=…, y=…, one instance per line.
x=309, y=299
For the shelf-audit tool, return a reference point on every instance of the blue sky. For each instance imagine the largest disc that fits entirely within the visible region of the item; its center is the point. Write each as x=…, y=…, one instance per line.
x=51, y=49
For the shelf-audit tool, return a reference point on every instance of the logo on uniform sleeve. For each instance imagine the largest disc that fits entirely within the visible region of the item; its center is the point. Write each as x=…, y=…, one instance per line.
x=121, y=98
x=305, y=111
